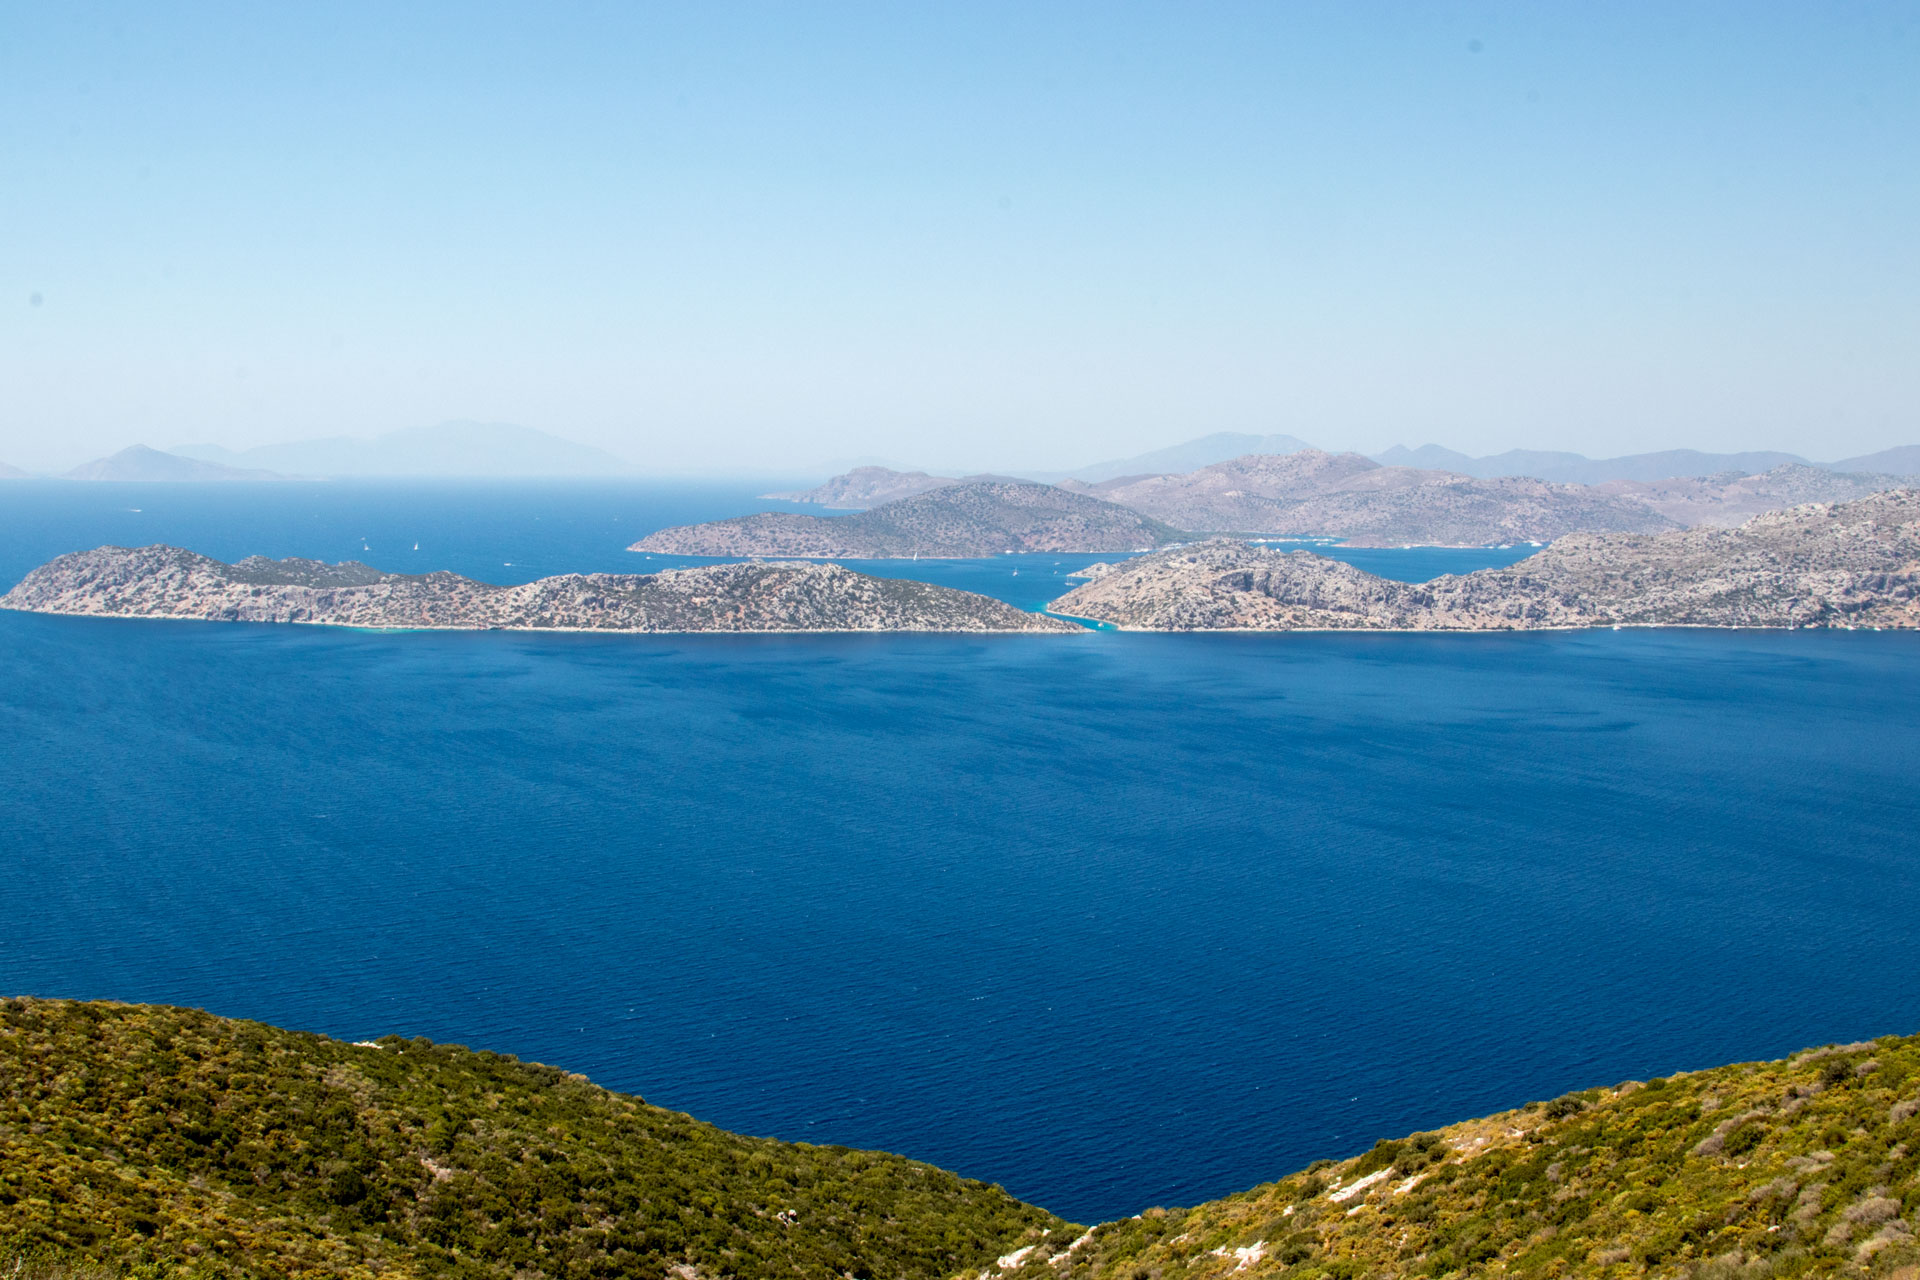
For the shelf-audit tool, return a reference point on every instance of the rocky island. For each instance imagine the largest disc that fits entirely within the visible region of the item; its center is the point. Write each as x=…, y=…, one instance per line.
x=166, y=582
x=1851, y=564
x=981, y=518
x=1854, y=564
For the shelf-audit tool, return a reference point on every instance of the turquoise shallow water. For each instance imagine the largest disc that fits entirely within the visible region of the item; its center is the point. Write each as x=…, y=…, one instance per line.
x=1113, y=919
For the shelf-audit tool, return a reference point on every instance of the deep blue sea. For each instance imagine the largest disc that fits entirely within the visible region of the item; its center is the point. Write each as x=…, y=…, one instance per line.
x=1114, y=920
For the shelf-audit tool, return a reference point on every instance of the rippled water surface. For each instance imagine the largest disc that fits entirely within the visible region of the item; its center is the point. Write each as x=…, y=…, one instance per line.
x=1115, y=920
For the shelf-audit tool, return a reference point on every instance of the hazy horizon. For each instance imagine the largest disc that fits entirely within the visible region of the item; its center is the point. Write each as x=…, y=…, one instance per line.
x=481, y=451
x=765, y=239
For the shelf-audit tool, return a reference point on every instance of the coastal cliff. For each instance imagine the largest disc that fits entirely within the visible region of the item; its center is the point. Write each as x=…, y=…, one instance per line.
x=166, y=582
x=1854, y=564
x=986, y=518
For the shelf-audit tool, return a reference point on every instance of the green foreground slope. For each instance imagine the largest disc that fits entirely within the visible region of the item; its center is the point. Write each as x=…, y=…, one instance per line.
x=1809, y=1166
x=166, y=1141
x=163, y=1141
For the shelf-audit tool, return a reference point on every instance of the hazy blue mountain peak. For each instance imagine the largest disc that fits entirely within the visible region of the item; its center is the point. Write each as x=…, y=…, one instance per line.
x=139, y=462
x=1573, y=468
x=1904, y=460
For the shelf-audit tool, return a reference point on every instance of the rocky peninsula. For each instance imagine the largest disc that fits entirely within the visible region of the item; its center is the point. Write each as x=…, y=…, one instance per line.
x=1853, y=564
x=166, y=582
x=982, y=518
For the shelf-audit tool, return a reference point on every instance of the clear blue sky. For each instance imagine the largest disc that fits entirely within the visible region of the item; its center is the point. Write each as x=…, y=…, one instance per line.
x=962, y=235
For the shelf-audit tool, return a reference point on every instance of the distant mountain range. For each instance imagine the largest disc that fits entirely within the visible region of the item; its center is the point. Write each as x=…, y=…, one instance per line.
x=1312, y=493
x=141, y=463
x=12, y=473
x=493, y=450
x=1539, y=464
x=1903, y=460
x=1575, y=468
x=869, y=485
x=1305, y=493
x=504, y=451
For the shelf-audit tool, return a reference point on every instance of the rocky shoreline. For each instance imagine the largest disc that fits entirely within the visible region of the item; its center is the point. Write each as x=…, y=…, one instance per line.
x=1854, y=564
x=166, y=582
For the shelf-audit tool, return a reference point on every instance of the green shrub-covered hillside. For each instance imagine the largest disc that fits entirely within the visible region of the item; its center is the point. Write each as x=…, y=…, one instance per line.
x=142, y=1141
x=159, y=1141
x=1805, y=1167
